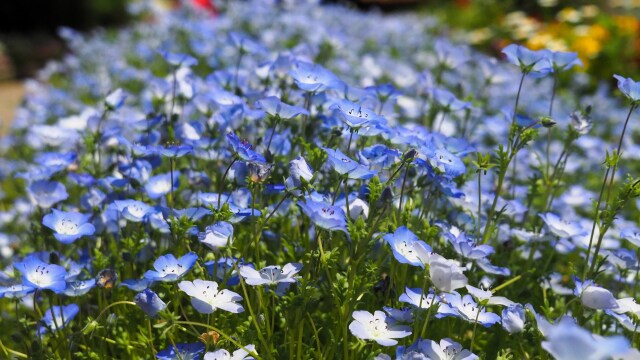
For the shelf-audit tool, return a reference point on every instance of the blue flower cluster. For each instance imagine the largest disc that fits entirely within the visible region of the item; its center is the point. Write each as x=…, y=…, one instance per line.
x=301, y=180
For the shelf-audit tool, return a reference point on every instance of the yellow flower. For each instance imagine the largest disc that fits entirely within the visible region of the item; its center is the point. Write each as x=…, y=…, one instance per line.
x=628, y=25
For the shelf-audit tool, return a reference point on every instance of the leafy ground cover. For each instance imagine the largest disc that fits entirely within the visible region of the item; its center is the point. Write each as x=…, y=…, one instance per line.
x=315, y=182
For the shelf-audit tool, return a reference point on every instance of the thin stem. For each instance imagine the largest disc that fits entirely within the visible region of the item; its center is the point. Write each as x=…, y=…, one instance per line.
x=275, y=126
x=350, y=138
x=597, y=210
x=479, y=203
x=515, y=108
x=346, y=199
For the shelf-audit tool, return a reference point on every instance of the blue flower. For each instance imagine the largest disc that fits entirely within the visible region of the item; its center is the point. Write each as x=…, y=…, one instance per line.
x=465, y=245
x=68, y=226
x=272, y=275
x=169, y=269
x=513, y=318
x=275, y=107
x=562, y=60
x=447, y=349
x=182, y=352
x=448, y=100
x=149, y=302
x=217, y=235
x=115, y=99
x=16, y=291
x=467, y=309
x=299, y=170
x=47, y=193
x=377, y=327
x=629, y=88
x=324, y=215
x=225, y=268
x=134, y=210
x=179, y=59
x=243, y=149
x=52, y=319
x=175, y=151
x=344, y=165
x=447, y=164
x=79, y=287
x=160, y=185
x=404, y=245
x=535, y=63
x=313, y=77
x=137, y=284
x=40, y=275
x=355, y=115
x=418, y=299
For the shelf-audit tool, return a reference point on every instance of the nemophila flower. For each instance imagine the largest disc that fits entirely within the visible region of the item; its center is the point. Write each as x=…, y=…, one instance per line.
x=465, y=245
x=206, y=298
x=217, y=235
x=16, y=291
x=404, y=315
x=594, y=296
x=568, y=341
x=446, y=275
x=243, y=149
x=275, y=107
x=324, y=215
x=488, y=267
x=115, y=99
x=182, y=352
x=299, y=171
x=447, y=100
x=404, y=245
x=562, y=228
x=513, y=318
x=562, y=60
x=344, y=165
x=486, y=297
x=379, y=156
x=225, y=269
x=377, y=327
x=46, y=193
x=41, y=275
x=418, y=299
x=79, y=287
x=137, y=284
x=272, y=275
x=55, y=161
x=168, y=268
x=447, y=349
x=631, y=234
x=464, y=307
x=134, y=210
x=149, y=302
x=53, y=318
x=313, y=77
x=179, y=59
x=354, y=115
x=160, y=185
x=446, y=163
x=630, y=88
x=240, y=354
x=530, y=62
x=176, y=150
x=68, y=226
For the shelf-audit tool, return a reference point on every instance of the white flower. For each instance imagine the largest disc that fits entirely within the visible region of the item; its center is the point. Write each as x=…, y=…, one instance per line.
x=206, y=298
x=594, y=296
x=446, y=275
x=240, y=354
x=377, y=327
x=272, y=275
x=429, y=349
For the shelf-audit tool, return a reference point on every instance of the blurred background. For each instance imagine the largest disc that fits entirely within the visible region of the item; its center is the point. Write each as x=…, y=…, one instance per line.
x=605, y=33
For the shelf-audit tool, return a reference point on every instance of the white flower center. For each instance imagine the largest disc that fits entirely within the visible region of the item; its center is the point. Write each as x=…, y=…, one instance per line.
x=66, y=227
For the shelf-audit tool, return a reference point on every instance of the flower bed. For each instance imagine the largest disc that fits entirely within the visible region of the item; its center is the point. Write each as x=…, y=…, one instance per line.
x=315, y=182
